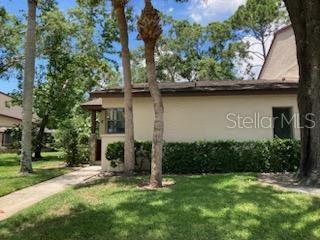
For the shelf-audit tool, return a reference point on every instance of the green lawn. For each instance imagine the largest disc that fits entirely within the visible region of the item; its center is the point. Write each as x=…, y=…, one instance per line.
x=230, y=206
x=11, y=180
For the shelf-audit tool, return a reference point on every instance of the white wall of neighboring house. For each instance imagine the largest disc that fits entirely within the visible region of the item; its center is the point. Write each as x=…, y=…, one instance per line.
x=195, y=118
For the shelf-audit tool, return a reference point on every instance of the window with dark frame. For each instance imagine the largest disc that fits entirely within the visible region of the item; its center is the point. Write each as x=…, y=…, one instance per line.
x=6, y=139
x=282, y=122
x=115, y=120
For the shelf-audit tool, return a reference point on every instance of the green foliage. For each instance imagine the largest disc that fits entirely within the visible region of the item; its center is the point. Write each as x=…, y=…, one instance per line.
x=259, y=19
x=73, y=51
x=258, y=15
x=11, y=35
x=16, y=135
x=218, y=157
x=73, y=139
x=192, y=52
x=115, y=154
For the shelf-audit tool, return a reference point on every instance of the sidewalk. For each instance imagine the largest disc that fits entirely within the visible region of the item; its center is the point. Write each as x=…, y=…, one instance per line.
x=24, y=198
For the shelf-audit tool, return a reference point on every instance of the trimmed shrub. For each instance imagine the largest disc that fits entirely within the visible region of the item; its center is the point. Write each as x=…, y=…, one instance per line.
x=72, y=138
x=115, y=154
x=275, y=155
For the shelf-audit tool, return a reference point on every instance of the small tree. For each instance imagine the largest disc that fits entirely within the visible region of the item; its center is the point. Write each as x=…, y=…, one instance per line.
x=149, y=31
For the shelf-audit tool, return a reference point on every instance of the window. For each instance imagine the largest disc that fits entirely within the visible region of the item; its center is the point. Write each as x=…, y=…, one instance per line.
x=6, y=139
x=282, y=122
x=115, y=120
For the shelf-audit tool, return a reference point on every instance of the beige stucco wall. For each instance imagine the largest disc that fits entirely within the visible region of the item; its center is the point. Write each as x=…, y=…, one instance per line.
x=8, y=122
x=200, y=118
x=282, y=60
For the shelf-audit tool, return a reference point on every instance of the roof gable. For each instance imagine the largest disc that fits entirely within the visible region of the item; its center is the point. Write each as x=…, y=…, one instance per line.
x=281, y=62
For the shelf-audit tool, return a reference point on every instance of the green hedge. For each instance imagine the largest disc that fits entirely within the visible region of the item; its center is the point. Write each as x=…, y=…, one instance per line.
x=216, y=157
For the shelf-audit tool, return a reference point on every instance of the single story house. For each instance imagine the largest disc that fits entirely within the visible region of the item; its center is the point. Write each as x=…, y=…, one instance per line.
x=10, y=116
x=204, y=110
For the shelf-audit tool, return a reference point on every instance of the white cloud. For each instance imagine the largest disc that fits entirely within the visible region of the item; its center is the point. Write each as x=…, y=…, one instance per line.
x=204, y=11
x=170, y=10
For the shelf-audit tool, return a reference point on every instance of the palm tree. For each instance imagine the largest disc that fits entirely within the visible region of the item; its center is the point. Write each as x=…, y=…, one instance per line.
x=29, y=71
x=149, y=31
x=129, y=157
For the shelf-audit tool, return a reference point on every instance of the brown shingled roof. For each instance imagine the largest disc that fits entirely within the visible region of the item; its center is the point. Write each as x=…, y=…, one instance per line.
x=95, y=104
x=229, y=87
x=7, y=110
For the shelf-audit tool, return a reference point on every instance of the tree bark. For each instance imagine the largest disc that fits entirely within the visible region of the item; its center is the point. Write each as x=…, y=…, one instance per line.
x=129, y=154
x=150, y=30
x=29, y=72
x=157, y=141
x=39, y=137
x=305, y=20
x=263, y=45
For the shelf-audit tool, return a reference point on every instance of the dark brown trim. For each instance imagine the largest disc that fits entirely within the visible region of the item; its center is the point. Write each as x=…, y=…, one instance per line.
x=200, y=93
x=96, y=108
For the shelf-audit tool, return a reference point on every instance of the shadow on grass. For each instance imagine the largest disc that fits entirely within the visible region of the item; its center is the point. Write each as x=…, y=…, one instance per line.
x=11, y=180
x=13, y=159
x=200, y=207
x=9, y=160
x=37, y=173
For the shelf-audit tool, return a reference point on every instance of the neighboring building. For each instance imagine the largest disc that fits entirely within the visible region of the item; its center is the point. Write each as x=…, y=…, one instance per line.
x=211, y=110
x=215, y=110
x=281, y=62
x=10, y=116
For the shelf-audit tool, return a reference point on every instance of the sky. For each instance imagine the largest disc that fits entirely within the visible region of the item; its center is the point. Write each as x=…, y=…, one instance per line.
x=200, y=11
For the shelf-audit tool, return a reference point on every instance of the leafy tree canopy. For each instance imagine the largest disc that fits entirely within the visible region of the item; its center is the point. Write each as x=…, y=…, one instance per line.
x=11, y=36
x=259, y=19
x=192, y=52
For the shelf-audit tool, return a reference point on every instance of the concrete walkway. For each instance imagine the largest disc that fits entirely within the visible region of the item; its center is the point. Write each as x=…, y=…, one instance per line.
x=24, y=198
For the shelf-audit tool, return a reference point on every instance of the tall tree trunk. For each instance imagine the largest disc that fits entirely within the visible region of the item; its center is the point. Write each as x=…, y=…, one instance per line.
x=157, y=141
x=39, y=137
x=304, y=15
x=129, y=155
x=149, y=31
x=29, y=71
